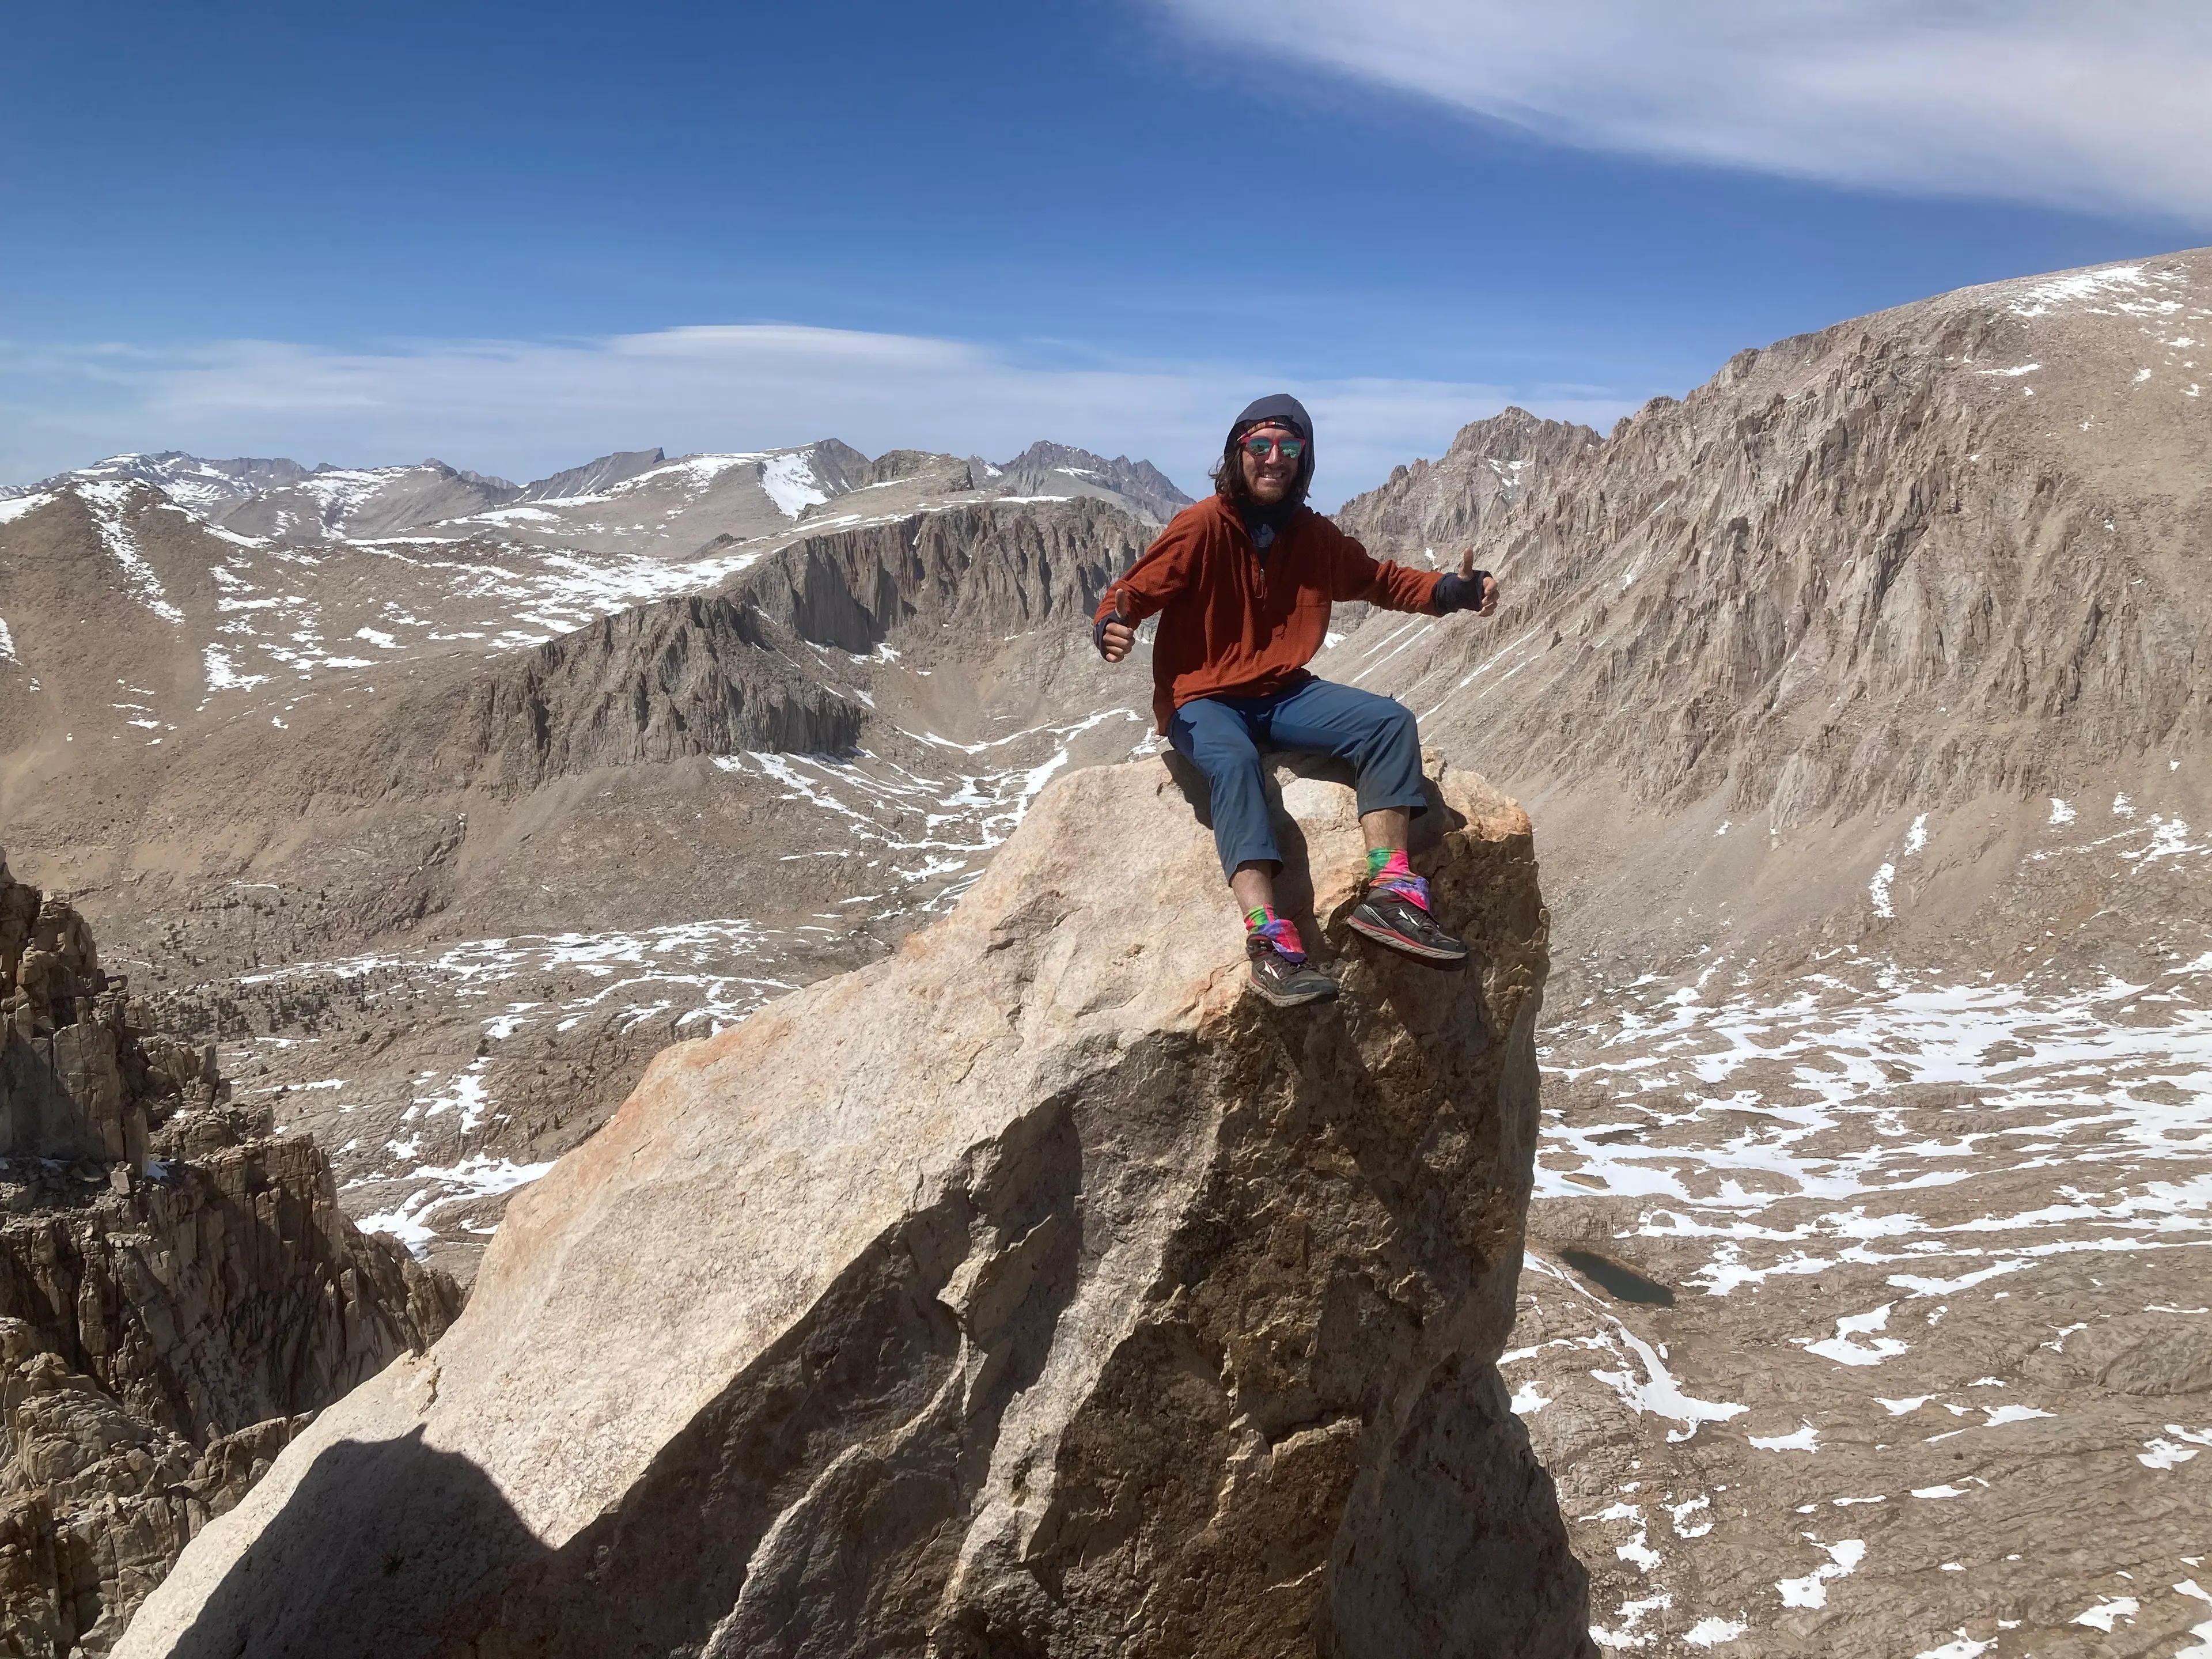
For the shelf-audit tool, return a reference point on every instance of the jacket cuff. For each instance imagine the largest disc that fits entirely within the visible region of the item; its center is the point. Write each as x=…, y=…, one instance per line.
x=1457, y=592
x=1099, y=625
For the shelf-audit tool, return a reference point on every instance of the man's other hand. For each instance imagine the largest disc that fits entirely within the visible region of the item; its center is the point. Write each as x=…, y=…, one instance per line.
x=1115, y=640
x=1489, y=583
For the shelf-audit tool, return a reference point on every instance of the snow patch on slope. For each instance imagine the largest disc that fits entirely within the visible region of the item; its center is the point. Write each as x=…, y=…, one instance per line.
x=106, y=499
x=791, y=485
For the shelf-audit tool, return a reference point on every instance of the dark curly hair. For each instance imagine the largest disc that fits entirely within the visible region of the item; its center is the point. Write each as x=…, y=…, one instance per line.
x=1229, y=471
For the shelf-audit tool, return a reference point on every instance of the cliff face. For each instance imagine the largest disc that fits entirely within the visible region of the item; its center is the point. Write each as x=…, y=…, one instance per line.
x=1444, y=504
x=757, y=666
x=99, y=1503
x=1952, y=549
x=79, y=1076
x=223, y=1289
x=1032, y=1291
x=178, y=1290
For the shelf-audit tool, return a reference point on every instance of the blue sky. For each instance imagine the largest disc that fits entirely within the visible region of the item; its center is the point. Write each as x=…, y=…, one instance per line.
x=517, y=236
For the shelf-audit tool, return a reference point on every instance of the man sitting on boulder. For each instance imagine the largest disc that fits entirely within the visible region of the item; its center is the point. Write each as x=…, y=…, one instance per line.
x=1242, y=583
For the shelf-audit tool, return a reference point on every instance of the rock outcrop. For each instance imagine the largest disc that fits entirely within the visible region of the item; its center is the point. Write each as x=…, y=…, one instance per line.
x=99, y=1502
x=1031, y=1292
x=77, y=1080
x=167, y=1322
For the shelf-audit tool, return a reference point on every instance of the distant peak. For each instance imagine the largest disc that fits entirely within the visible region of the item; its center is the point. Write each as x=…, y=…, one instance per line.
x=1139, y=483
x=444, y=471
x=594, y=476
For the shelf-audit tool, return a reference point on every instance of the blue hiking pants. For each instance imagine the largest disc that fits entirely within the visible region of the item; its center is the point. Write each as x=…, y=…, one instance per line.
x=1223, y=738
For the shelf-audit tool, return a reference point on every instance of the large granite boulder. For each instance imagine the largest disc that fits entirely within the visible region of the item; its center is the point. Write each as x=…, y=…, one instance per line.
x=1034, y=1292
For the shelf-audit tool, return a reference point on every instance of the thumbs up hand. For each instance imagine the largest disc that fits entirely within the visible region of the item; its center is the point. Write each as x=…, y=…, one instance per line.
x=1467, y=572
x=1114, y=636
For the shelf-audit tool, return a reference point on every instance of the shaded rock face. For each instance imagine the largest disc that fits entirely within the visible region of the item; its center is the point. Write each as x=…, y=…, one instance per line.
x=166, y=1323
x=1034, y=1292
x=158, y=1346
x=221, y=1290
x=76, y=1078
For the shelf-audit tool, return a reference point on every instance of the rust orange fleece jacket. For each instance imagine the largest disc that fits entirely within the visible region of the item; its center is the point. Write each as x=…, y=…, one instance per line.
x=1233, y=625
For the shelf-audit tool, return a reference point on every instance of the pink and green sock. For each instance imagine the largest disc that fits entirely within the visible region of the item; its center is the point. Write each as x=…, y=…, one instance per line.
x=1389, y=870
x=1278, y=931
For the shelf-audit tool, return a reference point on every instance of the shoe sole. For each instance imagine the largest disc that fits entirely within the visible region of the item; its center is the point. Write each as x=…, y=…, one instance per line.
x=1282, y=1001
x=1382, y=933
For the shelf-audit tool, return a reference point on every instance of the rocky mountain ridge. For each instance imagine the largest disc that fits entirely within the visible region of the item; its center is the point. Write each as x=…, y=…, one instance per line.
x=1045, y=467
x=1862, y=701
x=632, y=501
x=1981, y=508
x=1438, y=506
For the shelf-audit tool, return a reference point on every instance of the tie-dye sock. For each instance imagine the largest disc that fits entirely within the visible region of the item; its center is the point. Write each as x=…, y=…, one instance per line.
x=1278, y=931
x=1388, y=870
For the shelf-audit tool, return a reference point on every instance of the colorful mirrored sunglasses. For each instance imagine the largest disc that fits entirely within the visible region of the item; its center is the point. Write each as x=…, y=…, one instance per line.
x=1291, y=448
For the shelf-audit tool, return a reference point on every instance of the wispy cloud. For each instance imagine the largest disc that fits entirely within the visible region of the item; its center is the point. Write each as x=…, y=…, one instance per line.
x=2070, y=103
x=524, y=409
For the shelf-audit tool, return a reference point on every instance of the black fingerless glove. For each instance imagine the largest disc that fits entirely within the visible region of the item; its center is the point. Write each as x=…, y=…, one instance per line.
x=1458, y=592
x=1098, y=628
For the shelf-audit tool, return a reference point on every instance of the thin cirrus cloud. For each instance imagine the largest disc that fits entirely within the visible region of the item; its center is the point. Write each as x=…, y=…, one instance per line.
x=527, y=407
x=2098, y=106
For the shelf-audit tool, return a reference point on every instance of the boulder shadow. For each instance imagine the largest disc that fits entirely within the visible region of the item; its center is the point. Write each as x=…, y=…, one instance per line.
x=361, y=1562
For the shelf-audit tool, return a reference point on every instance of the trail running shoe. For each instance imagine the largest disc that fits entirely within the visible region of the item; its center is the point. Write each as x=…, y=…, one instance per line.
x=1389, y=917
x=1286, y=983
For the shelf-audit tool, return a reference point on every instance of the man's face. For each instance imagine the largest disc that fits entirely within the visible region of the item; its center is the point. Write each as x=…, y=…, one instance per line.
x=1268, y=475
